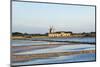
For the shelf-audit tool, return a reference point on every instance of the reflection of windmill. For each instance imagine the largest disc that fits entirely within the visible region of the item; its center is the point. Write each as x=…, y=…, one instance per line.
x=51, y=29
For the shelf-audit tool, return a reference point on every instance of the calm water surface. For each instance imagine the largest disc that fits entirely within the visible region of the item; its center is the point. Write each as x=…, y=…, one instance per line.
x=42, y=41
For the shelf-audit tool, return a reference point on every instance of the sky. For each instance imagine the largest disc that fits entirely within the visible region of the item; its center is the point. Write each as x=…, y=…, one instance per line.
x=29, y=17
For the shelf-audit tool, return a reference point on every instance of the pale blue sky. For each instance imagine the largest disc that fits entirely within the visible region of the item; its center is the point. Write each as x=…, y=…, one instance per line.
x=37, y=17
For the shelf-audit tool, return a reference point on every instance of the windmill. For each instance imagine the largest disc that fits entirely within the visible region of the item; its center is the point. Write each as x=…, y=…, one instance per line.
x=51, y=29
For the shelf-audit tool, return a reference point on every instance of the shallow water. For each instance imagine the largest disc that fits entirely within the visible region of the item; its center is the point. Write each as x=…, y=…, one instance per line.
x=42, y=41
x=29, y=42
x=74, y=39
x=64, y=47
x=61, y=59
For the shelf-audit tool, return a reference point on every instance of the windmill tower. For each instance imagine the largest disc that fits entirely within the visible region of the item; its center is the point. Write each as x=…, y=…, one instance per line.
x=51, y=29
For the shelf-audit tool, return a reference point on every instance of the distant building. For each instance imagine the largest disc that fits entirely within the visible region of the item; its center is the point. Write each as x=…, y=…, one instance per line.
x=58, y=33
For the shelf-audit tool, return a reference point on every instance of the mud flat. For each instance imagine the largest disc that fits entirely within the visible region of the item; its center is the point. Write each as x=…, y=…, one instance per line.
x=33, y=47
x=47, y=55
x=42, y=46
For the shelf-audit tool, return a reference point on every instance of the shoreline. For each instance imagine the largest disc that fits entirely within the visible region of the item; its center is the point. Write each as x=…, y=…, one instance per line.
x=20, y=37
x=73, y=42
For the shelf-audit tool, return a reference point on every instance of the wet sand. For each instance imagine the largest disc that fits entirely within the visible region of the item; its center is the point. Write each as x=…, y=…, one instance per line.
x=16, y=58
x=36, y=47
x=42, y=46
x=27, y=57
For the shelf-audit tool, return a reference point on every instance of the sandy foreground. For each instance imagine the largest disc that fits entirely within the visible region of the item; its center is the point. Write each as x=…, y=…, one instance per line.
x=47, y=55
x=27, y=57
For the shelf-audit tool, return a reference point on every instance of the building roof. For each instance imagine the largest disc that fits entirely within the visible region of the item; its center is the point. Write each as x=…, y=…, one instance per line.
x=62, y=31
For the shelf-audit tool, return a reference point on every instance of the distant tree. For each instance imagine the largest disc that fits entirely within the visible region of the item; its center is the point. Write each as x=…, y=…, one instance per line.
x=93, y=32
x=46, y=34
x=25, y=33
x=84, y=33
x=17, y=34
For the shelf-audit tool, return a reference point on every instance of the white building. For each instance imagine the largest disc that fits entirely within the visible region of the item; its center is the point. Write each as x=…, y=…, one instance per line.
x=60, y=34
